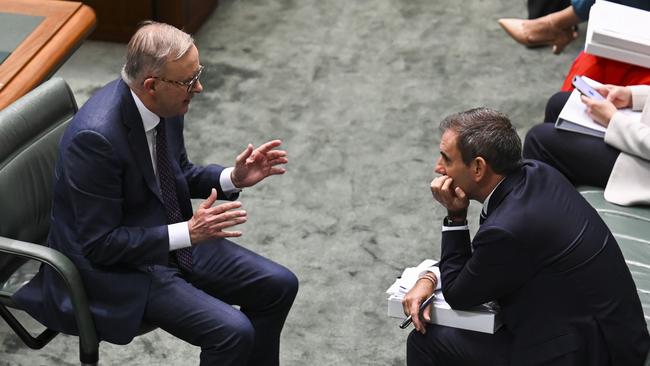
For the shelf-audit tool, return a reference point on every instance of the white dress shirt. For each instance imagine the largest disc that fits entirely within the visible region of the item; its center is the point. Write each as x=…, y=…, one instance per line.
x=179, y=233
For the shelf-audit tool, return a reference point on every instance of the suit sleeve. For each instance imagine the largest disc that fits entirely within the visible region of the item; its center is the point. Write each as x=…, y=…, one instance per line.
x=497, y=266
x=94, y=179
x=630, y=135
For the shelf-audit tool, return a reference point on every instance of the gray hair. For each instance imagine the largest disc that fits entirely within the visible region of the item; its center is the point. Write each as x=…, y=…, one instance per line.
x=151, y=47
x=486, y=133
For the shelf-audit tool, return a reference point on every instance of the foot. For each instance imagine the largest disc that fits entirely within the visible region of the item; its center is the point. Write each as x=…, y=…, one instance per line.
x=538, y=32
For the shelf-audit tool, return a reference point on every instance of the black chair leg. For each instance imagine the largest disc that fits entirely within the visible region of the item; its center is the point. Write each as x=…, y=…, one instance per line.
x=37, y=342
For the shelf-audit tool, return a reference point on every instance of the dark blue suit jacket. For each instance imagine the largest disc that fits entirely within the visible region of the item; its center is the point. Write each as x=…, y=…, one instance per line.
x=557, y=272
x=108, y=216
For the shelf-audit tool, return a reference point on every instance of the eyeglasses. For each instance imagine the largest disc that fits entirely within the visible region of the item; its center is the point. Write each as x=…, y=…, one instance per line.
x=189, y=83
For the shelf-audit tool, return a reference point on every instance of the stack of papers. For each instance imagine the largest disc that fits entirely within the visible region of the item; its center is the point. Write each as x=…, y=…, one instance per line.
x=619, y=32
x=483, y=318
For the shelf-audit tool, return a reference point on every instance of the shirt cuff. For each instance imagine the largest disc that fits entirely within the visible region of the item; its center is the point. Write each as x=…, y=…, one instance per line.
x=436, y=271
x=454, y=228
x=179, y=236
x=226, y=183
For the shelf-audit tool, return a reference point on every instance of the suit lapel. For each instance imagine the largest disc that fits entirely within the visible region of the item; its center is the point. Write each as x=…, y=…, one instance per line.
x=138, y=141
x=502, y=191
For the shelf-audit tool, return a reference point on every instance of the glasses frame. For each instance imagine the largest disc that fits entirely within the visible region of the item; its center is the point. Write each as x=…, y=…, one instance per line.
x=188, y=84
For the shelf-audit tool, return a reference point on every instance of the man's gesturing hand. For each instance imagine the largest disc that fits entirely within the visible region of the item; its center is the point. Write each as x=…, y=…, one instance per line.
x=251, y=166
x=209, y=222
x=453, y=199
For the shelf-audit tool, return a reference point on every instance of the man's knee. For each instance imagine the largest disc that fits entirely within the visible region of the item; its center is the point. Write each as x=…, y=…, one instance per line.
x=235, y=333
x=283, y=283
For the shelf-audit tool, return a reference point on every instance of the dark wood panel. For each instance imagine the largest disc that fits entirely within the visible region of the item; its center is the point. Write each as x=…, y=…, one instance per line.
x=117, y=20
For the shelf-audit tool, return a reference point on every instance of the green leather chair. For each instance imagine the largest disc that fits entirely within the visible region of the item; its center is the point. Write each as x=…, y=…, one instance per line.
x=30, y=130
x=631, y=228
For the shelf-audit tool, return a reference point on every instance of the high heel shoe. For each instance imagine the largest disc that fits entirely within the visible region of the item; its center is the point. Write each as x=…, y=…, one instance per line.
x=538, y=32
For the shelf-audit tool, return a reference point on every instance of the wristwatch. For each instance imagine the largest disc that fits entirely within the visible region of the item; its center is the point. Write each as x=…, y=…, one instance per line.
x=449, y=222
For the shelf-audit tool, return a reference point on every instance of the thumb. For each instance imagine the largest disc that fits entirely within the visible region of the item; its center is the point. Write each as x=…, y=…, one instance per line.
x=210, y=200
x=460, y=193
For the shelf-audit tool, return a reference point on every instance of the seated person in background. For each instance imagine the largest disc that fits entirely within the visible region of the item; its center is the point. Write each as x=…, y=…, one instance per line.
x=620, y=163
x=557, y=28
x=122, y=213
x=539, y=8
x=541, y=252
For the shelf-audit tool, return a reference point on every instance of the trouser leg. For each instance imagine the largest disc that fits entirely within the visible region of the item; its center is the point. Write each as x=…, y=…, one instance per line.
x=263, y=289
x=446, y=346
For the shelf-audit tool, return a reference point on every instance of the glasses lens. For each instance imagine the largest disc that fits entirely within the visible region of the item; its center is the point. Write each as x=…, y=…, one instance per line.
x=190, y=86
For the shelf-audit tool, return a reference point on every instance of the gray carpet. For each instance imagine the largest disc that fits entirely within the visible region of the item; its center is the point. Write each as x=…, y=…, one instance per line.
x=355, y=89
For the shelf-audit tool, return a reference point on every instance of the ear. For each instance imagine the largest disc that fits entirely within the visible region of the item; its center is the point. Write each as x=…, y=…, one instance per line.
x=479, y=169
x=149, y=86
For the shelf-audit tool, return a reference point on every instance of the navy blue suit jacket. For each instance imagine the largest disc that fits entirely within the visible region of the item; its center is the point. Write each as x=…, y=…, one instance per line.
x=108, y=216
x=555, y=269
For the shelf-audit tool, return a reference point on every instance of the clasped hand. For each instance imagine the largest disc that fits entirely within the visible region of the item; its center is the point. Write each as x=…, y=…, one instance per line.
x=253, y=165
x=452, y=198
x=210, y=221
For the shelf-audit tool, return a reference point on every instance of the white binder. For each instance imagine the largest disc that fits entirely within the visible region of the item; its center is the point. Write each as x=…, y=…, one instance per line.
x=619, y=32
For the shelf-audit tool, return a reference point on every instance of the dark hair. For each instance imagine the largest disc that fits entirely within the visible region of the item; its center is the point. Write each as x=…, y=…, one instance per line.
x=486, y=133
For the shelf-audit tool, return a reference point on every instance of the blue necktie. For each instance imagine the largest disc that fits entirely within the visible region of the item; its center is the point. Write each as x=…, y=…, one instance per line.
x=169, y=194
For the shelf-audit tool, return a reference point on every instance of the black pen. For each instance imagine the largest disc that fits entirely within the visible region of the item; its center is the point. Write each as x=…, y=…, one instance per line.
x=409, y=319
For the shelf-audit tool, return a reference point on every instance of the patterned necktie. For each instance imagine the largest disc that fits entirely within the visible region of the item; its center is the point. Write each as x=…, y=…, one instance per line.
x=168, y=190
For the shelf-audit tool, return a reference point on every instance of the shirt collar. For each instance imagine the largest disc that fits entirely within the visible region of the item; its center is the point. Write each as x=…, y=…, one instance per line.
x=487, y=199
x=149, y=119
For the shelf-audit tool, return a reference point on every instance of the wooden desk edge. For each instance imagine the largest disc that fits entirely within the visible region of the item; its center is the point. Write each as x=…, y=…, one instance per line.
x=62, y=44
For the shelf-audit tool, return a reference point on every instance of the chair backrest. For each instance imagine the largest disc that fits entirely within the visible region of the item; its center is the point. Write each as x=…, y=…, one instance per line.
x=30, y=130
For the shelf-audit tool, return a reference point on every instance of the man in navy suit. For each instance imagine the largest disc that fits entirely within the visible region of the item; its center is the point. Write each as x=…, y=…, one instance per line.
x=541, y=252
x=122, y=214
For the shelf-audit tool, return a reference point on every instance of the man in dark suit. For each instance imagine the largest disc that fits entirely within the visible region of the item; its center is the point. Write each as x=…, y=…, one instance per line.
x=541, y=252
x=122, y=213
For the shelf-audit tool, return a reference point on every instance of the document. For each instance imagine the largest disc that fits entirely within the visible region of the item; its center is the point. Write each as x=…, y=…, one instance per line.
x=574, y=117
x=483, y=318
x=619, y=32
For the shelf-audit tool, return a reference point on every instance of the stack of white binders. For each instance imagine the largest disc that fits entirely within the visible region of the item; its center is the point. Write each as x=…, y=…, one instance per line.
x=483, y=318
x=619, y=32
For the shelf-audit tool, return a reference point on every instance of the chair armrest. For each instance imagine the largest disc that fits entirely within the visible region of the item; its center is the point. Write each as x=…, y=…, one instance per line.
x=70, y=275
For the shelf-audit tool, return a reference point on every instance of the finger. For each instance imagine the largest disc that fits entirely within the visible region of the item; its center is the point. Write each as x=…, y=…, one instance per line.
x=210, y=200
x=274, y=154
x=460, y=193
x=446, y=184
x=265, y=148
x=426, y=313
x=586, y=100
x=415, y=316
x=215, y=220
x=216, y=210
x=228, y=224
x=277, y=171
x=228, y=234
x=278, y=161
x=244, y=154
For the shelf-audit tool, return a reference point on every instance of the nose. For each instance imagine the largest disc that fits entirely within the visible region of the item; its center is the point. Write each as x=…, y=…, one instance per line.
x=197, y=87
x=440, y=169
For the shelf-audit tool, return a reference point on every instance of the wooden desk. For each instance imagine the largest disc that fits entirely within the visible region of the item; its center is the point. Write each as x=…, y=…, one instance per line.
x=64, y=27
